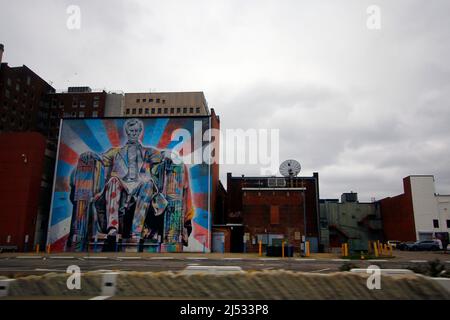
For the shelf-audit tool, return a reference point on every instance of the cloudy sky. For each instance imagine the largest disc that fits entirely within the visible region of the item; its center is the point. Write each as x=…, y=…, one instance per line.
x=362, y=107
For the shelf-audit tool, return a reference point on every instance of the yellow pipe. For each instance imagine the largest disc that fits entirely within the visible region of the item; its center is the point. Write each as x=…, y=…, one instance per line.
x=307, y=248
x=260, y=248
x=375, y=248
x=282, y=249
x=37, y=248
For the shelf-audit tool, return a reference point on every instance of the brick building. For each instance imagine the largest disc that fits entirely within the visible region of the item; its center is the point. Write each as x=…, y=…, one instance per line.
x=270, y=210
x=76, y=102
x=22, y=99
x=26, y=170
x=416, y=214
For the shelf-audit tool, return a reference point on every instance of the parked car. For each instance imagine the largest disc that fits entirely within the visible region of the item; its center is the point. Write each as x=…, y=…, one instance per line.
x=394, y=243
x=426, y=245
x=405, y=245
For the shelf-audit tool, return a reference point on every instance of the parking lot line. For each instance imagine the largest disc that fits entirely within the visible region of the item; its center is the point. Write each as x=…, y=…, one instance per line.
x=161, y=258
x=61, y=257
x=95, y=258
x=197, y=258
x=307, y=259
x=129, y=258
x=417, y=261
x=29, y=257
x=340, y=260
x=232, y=258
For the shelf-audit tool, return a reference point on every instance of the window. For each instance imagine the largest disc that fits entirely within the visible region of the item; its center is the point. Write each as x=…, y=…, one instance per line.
x=133, y=111
x=140, y=110
x=128, y=111
x=172, y=110
x=96, y=103
x=435, y=223
x=150, y=100
x=147, y=111
x=95, y=114
x=28, y=80
x=164, y=101
x=9, y=81
x=82, y=104
x=165, y=110
x=75, y=103
x=153, y=110
x=81, y=114
x=178, y=110
x=158, y=100
x=144, y=100
x=159, y=110
x=197, y=110
x=61, y=104
x=17, y=87
x=448, y=224
x=274, y=215
x=138, y=100
x=184, y=110
x=191, y=110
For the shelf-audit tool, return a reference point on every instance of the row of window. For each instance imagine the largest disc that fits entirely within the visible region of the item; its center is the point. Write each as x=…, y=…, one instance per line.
x=186, y=110
x=436, y=223
x=9, y=82
x=151, y=100
x=80, y=114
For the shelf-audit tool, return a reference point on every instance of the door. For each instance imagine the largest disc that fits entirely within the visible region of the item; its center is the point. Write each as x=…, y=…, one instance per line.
x=218, y=242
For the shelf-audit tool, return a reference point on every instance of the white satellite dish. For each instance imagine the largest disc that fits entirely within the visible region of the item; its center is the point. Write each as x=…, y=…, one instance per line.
x=290, y=168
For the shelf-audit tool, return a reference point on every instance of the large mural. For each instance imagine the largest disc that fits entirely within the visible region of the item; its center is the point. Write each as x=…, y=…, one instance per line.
x=123, y=184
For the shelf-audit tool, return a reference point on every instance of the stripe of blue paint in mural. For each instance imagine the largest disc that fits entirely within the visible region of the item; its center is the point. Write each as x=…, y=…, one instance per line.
x=84, y=132
x=119, y=125
x=201, y=217
x=59, y=214
x=154, y=131
x=64, y=169
x=199, y=178
x=96, y=126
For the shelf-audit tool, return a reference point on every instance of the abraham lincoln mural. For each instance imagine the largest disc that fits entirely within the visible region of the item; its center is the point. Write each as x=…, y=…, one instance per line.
x=131, y=191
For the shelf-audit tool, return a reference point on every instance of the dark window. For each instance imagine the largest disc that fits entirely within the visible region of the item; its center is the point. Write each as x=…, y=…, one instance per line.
x=448, y=224
x=153, y=110
x=159, y=110
x=185, y=110
x=435, y=223
x=144, y=100
x=150, y=100
x=164, y=101
x=128, y=111
x=158, y=100
x=140, y=110
x=146, y=111
x=165, y=110
x=178, y=110
x=138, y=100
x=133, y=111
x=197, y=110
x=191, y=110
x=172, y=110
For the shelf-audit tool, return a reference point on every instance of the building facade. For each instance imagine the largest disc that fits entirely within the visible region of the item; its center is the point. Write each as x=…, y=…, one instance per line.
x=349, y=221
x=416, y=214
x=26, y=167
x=22, y=99
x=157, y=104
x=271, y=210
x=76, y=102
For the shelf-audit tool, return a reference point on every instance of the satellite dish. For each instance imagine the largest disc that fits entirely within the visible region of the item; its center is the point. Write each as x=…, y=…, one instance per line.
x=290, y=168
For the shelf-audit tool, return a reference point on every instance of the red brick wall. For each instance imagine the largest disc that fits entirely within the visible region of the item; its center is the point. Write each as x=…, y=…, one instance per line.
x=20, y=185
x=398, y=215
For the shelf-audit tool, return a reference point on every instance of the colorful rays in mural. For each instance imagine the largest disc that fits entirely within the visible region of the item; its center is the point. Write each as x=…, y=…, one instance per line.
x=98, y=136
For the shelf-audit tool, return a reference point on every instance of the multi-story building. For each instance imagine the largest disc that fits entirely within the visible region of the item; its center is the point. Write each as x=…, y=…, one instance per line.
x=418, y=213
x=22, y=99
x=76, y=102
x=26, y=168
x=114, y=104
x=271, y=209
x=349, y=221
x=157, y=104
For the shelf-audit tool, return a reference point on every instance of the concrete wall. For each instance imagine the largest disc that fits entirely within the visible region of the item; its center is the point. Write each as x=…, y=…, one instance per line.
x=113, y=105
x=424, y=204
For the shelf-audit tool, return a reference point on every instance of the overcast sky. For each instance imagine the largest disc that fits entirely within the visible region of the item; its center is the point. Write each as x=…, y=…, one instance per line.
x=362, y=107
